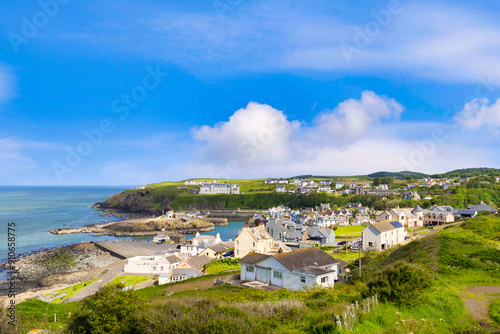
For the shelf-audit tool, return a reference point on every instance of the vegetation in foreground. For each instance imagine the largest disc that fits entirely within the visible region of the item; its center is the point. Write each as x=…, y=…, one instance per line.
x=421, y=286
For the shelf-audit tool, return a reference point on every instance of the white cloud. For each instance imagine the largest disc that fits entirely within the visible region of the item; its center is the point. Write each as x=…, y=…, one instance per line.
x=255, y=134
x=358, y=136
x=352, y=118
x=479, y=113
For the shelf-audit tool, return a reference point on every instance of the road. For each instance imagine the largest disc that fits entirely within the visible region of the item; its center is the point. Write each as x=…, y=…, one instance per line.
x=106, y=276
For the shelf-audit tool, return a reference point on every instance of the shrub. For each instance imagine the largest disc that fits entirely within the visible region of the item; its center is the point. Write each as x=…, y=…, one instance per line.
x=495, y=311
x=402, y=285
x=110, y=310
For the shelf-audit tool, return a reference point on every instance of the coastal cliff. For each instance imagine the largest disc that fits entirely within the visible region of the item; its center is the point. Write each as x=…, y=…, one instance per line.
x=142, y=202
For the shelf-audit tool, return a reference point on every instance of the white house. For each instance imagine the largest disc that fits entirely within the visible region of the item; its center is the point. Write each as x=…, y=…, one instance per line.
x=294, y=270
x=325, y=189
x=383, y=235
x=325, y=183
x=219, y=188
x=195, y=245
x=159, y=263
x=339, y=185
x=280, y=189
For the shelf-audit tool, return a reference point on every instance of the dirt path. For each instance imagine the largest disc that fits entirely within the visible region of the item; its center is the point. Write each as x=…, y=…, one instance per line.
x=479, y=306
x=484, y=289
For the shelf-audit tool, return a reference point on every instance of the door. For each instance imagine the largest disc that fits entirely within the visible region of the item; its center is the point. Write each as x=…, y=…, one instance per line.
x=264, y=275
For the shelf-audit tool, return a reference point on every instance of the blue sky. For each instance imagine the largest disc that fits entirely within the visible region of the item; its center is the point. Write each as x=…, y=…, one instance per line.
x=136, y=92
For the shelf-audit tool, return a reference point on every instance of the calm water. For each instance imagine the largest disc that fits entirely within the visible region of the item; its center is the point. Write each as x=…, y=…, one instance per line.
x=35, y=210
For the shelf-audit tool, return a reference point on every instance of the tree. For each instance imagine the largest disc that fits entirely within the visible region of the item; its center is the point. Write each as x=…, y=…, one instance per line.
x=110, y=310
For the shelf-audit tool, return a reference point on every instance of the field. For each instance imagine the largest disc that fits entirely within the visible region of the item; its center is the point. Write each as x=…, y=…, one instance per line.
x=130, y=280
x=70, y=291
x=349, y=231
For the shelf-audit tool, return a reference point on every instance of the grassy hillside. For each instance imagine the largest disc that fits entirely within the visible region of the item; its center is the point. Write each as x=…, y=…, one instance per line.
x=432, y=285
x=256, y=194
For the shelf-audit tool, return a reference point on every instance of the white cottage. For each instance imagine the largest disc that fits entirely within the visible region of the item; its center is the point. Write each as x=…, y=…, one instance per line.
x=295, y=270
x=383, y=235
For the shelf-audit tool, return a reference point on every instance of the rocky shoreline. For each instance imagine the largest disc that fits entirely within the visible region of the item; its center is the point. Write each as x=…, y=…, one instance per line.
x=49, y=270
x=133, y=227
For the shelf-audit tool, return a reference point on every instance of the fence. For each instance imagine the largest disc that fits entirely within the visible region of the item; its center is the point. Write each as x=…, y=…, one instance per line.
x=350, y=314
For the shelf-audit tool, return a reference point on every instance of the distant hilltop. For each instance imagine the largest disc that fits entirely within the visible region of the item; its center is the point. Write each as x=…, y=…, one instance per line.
x=378, y=190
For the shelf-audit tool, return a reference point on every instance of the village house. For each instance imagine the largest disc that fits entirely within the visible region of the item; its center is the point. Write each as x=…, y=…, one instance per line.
x=437, y=217
x=326, y=221
x=219, y=188
x=258, y=240
x=325, y=182
x=157, y=264
x=195, y=245
x=179, y=274
x=194, y=262
x=339, y=185
x=299, y=236
x=280, y=189
x=383, y=235
x=294, y=270
x=217, y=251
x=324, y=189
x=464, y=213
x=361, y=220
x=483, y=207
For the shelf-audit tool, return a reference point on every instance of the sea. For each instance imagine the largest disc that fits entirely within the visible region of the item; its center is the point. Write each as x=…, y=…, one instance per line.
x=36, y=210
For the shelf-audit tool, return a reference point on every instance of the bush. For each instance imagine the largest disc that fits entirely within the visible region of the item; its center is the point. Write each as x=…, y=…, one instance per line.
x=402, y=285
x=110, y=310
x=495, y=311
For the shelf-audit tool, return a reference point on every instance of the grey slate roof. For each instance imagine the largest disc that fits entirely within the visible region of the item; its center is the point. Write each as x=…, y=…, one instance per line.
x=482, y=207
x=304, y=258
x=199, y=261
x=418, y=208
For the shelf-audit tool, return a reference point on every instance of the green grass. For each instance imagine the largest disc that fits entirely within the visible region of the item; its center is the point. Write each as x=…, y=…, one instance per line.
x=347, y=230
x=495, y=311
x=222, y=265
x=70, y=291
x=31, y=315
x=130, y=279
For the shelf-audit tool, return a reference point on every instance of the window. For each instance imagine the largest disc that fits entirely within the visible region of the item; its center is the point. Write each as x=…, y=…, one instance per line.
x=370, y=244
x=154, y=268
x=324, y=279
x=279, y=235
x=238, y=242
x=302, y=279
x=250, y=269
x=278, y=274
x=253, y=244
x=161, y=268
